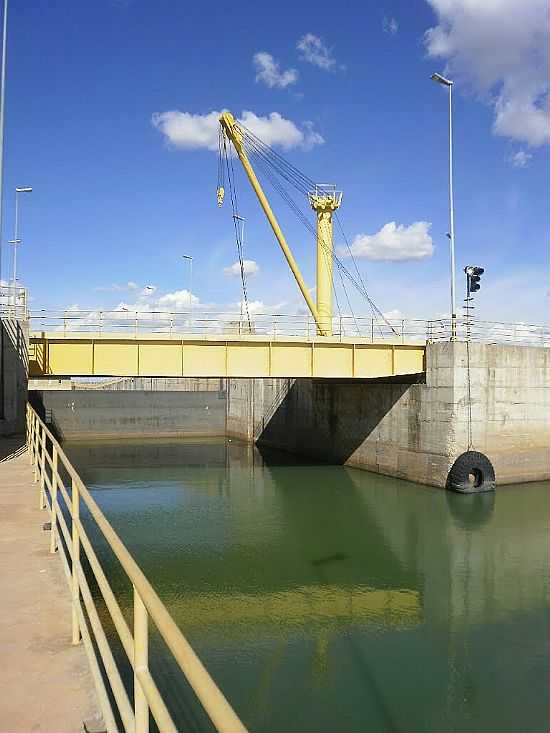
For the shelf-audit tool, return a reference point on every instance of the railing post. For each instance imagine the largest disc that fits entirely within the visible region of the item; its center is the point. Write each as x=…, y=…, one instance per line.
x=42, y=468
x=372, y=330
x=402, y=331
x=75, y=558
x=30, y=434
x=141, y=663
x=53, y=499
x=35, y=451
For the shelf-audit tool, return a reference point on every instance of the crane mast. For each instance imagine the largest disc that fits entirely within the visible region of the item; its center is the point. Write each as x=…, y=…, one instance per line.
x=324, y=200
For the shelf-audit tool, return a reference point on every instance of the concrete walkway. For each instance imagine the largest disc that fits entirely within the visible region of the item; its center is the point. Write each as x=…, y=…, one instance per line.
x=45, y=682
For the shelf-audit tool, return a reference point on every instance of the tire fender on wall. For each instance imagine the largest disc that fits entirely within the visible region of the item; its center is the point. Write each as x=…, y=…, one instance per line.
x=471, y=473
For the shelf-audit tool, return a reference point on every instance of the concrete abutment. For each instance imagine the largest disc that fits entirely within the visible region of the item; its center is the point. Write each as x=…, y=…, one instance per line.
x=492, y=399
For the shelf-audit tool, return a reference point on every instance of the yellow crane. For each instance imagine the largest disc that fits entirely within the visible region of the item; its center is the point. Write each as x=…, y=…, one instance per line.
x=324, y=200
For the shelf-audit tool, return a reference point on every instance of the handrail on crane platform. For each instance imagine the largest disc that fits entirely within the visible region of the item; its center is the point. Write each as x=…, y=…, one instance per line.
x=52, y=470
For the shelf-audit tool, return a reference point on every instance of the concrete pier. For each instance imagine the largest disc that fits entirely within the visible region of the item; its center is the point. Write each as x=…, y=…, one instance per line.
x=45, y=681
x=493, y=399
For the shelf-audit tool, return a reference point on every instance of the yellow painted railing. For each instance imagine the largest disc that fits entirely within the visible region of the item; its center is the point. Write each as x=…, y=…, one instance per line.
x=48, y=460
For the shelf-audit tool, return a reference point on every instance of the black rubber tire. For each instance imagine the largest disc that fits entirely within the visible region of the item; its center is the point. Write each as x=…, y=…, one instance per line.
x=471, y=464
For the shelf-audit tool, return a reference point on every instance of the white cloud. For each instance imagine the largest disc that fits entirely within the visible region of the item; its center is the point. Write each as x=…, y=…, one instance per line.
x=178, y=300
x=394, y=243
x=117, y=287
x=394, y=315
x=390, y=25
x=520, y=159
x=502, y=47
x=194, y=131
x=269, y=72
x=313, y=50
x=250, y=267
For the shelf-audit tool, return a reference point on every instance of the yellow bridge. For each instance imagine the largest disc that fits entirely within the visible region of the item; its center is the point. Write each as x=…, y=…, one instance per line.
x=176, y=345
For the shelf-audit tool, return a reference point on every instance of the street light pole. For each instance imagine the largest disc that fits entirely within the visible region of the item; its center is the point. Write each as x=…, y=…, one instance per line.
x=190, y=260
x=449, y=84
x=17, y=240
x=2, y=105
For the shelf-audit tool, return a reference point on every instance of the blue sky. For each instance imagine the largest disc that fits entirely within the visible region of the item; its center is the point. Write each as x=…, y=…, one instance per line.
x=122, y=189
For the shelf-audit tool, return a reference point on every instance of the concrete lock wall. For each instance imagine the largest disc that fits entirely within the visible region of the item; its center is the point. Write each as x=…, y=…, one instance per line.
x=412, y=431
x=14, y=363
x=92, y=414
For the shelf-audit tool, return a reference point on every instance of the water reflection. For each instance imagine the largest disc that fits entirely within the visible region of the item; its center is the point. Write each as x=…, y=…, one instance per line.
x=326, y=598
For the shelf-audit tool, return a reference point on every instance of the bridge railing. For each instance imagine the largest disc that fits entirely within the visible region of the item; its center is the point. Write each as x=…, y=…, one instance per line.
x=63, y=494
x=490, y=332
x=275, y=326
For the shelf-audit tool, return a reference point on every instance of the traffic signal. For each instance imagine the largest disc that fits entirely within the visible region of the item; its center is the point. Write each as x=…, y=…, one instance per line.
x=474, y=276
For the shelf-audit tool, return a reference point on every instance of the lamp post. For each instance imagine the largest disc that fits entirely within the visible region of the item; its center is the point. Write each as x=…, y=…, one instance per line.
x=439, y=79
x=190, y=260
x=2, y=105
x=16, y=239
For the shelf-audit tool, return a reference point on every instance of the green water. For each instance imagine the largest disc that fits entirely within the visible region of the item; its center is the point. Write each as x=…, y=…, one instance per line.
x=324, y=598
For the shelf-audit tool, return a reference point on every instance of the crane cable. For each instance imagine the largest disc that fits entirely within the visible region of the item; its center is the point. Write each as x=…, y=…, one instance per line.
x=264, y=155
x=228, y=159
x=260, y=165
x=266, y=158
x=341, y=268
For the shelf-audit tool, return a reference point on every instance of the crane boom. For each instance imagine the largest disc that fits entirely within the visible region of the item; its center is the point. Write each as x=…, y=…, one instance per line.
x=232, y=131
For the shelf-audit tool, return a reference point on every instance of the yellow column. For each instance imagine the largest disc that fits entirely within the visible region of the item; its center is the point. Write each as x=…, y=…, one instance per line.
x=324, y=204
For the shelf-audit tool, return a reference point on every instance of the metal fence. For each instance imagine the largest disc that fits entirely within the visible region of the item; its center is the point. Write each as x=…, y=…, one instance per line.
x=490, y=332
x=52, y=470
x=278, y=326
x=211, y=323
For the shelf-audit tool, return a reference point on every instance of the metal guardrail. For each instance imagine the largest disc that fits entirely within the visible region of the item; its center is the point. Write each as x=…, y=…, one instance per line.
x=275, y=326
x=47, y=458
x=490, y=332
x=278, y=326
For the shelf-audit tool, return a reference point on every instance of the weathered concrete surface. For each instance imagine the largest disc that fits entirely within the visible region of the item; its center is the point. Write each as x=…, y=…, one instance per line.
x=45, y=682
x=14, y=364
x=91, y=414
x=412, y=431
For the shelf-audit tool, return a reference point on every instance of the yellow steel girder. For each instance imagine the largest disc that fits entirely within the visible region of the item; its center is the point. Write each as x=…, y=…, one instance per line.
x=151, y=356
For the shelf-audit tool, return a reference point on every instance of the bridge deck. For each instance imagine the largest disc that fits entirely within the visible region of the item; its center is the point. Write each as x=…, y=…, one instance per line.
x=45, y=681
x=181, y=355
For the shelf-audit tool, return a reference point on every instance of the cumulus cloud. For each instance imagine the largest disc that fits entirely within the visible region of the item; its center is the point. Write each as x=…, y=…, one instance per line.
x=250, y=267
x=178, y=300
x=390, y=25
x=269, y=72
x=313, y=50
x=394, y=243
x=502, y=48
x=520, y=159
x=194, y=131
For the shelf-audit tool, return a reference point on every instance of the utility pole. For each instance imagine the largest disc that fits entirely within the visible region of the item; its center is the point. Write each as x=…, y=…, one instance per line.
x=190, y=290
x=439, y=79
x=2, y=107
